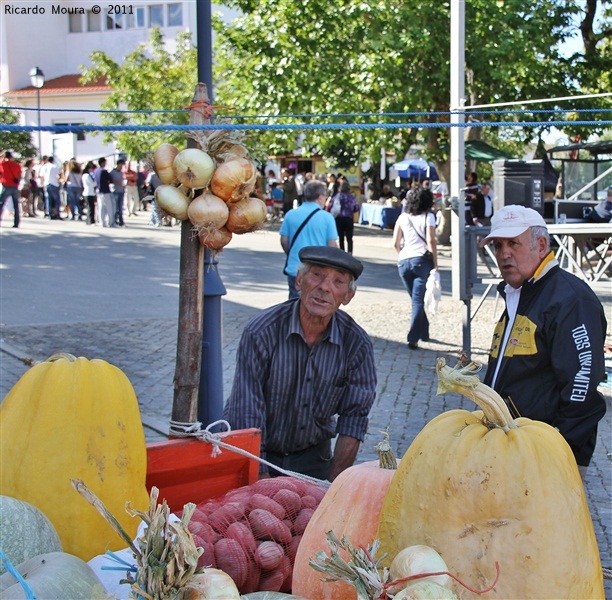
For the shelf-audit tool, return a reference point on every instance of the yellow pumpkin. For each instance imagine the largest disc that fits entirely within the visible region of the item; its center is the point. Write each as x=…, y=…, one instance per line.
x=482, y=488
x=72, y=418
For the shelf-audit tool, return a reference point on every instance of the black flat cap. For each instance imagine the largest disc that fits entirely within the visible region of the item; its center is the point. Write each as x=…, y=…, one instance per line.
x=328, y=256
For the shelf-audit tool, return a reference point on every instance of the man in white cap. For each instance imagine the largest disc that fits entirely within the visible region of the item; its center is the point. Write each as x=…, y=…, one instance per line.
x=546, y=358
x=305, y=372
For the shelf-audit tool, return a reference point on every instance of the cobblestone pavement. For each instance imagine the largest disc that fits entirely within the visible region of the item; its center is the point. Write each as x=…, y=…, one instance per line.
x=145, y=348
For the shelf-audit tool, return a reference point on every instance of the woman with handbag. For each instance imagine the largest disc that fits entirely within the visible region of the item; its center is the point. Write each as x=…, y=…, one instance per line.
x=414, y=238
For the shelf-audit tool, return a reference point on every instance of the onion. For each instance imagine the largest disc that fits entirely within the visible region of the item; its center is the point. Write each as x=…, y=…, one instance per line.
x=234, y=179
x=163, y=159
x=415, y=560
x=215, y=239
x=246, y=215
x=421, y=590
x=210, y=584
x=208, y=210
x=172, y=200
x=193, y=168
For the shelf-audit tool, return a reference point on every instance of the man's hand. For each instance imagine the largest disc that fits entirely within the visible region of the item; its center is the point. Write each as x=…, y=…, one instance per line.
x=345, y=453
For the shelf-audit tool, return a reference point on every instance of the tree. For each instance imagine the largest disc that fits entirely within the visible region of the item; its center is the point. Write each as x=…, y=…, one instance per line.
x=150, y=79
x=19, y=142
x=390, y=56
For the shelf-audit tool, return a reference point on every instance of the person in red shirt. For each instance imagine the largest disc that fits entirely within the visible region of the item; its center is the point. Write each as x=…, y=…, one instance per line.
x=10, y=176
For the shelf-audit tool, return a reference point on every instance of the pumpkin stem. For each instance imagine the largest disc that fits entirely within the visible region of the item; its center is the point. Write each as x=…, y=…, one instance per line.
x=463, y=381
x=386, y=457
x=62, y=356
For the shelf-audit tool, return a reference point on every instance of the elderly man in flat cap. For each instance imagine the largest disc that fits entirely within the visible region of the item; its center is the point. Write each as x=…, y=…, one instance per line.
x=546, y=358
x=305, y=372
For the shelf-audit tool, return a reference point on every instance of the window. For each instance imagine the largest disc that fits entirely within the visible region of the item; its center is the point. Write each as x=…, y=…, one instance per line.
x=94, y=22
x=80, y=135
x=175, y=15
x=75, y=23
x=114, y=22
x=156, y=15
x=136, y=20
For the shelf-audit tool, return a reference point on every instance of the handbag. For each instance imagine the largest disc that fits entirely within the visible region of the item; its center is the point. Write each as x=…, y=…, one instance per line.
x=295, y=237
x=428, y=254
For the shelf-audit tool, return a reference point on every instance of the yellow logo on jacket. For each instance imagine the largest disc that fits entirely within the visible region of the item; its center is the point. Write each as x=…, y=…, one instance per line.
x=521, y=341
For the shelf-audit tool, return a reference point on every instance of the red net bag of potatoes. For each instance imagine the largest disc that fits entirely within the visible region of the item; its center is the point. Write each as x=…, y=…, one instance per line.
x=252, y=532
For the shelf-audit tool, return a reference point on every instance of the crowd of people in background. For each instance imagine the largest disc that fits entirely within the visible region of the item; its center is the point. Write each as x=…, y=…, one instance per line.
x=74, y=191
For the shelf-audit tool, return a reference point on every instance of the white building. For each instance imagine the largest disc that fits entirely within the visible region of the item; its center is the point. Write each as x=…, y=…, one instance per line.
x=58, y=37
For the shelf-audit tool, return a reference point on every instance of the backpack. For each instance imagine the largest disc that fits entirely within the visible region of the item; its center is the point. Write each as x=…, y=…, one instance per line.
x=336, y=206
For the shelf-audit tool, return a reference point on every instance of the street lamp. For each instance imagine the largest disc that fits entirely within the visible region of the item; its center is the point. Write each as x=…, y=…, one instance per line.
x=37, y=79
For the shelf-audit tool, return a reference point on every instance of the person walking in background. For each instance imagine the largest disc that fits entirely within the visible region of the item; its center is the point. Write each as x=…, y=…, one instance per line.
x=10, y=178
x=344, y=219
x=106, y=200
x=118, y=190
x=27, y=187
x=307, y=225
x=89, y=192
x=471, y=189
x=289, y=190
x=414, y=238
x=132, y=199
x=482, y=206
x=74, y=189
x=52, y=180
x=547, y=353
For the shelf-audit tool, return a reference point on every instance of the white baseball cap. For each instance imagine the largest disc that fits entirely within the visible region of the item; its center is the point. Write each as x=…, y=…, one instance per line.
x=512, y=220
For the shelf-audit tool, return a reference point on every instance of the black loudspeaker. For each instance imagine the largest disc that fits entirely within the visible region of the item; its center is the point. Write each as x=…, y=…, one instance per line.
x=519, y=182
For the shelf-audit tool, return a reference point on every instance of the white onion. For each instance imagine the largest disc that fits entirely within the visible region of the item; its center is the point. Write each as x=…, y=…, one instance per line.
x=215, y=239
x=424, y=590
x=172, y=200
x=245, y=215
x=193, y=168
x=415, y=560
x=234, y=179
x=163, y=159
x=208, y=210
x=210, y=584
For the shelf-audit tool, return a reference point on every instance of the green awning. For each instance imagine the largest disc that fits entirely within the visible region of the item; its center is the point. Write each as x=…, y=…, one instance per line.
x=479, y=150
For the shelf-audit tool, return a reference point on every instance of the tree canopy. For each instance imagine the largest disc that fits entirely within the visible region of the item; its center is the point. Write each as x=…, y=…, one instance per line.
x=19, y=142
x=150, y=78
x=392, y=56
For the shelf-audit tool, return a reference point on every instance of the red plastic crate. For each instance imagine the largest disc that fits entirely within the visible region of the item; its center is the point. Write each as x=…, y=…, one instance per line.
x=184, y=470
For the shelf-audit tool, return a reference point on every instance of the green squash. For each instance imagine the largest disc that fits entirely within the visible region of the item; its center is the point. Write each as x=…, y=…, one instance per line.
x=54, y=576
x=25, y=531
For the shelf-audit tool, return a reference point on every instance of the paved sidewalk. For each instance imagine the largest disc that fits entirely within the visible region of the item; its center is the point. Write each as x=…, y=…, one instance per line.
x=145, y=347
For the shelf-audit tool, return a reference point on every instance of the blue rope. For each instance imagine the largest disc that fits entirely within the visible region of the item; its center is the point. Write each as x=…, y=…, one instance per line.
x=329, y=115
x=300, y=126
x=8, y=565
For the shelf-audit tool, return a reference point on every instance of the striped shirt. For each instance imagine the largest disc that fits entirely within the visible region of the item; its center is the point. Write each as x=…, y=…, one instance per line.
x=300, y=396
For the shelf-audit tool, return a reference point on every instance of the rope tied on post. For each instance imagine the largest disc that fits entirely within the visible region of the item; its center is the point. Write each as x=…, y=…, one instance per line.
x=194, y=430
x=205, y=108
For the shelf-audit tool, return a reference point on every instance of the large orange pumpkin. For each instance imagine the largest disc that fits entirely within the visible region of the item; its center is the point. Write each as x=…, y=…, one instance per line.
x=350, y=507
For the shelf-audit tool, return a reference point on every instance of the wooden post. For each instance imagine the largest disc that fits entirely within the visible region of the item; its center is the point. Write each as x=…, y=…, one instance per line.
x=191, y=292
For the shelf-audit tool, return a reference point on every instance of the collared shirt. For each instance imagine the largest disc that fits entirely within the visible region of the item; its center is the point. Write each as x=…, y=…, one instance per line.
x=293, y=392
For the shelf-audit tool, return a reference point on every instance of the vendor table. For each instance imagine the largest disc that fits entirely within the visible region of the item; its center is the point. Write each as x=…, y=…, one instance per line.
x=377, y=214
